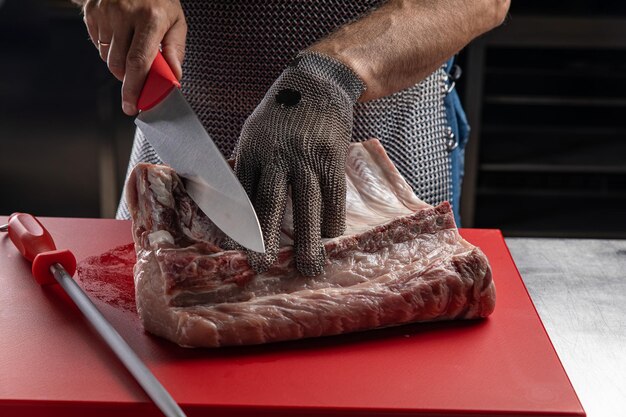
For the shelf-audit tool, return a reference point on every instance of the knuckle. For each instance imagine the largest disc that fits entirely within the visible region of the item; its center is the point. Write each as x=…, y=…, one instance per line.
x=179, y=48
x=89, y=7
x=109, y=6
x=151, y=16
x=137, y=61
x=157, y=14
x=122, y=6
x=129, y=93
x=116, y=64
x=182, y=23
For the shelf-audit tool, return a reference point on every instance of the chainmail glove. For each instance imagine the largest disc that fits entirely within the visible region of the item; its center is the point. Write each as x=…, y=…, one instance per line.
x=298, y=136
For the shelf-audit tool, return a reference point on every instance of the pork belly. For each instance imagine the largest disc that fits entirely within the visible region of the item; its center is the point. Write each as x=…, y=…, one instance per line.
x=399, y=261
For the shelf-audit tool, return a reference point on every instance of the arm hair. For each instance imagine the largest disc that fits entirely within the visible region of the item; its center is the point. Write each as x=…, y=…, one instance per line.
x=404, y=41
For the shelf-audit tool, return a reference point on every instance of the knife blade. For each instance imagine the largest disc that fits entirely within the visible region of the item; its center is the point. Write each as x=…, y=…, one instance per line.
x=170, y=125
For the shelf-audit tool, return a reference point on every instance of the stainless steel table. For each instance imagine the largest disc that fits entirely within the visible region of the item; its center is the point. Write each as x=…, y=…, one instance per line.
x=579, y=289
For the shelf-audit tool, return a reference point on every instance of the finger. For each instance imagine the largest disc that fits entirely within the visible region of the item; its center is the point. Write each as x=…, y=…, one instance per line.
x=271, y=197
x=89, y=17
x=142, y=51
x=120, y=44
x=333, y=188
x=248, y=171
x=105, y=36
x=307, y=205
x=173, y=45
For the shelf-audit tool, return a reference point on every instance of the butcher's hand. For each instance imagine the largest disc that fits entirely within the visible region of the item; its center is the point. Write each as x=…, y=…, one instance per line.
x=298, y=137
x=128, y=34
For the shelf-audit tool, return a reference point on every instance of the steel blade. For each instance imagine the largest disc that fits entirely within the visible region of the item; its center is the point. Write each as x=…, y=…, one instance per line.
x=122, y=350
x=180, y=140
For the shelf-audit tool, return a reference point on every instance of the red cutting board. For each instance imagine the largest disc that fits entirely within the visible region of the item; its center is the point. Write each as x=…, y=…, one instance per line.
x=52, y=363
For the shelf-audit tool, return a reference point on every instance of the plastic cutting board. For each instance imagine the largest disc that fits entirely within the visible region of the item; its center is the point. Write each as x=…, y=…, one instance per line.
x=52, y=363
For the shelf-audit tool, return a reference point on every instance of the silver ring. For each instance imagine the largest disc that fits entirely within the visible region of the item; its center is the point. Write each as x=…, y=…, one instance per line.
x=103, y=43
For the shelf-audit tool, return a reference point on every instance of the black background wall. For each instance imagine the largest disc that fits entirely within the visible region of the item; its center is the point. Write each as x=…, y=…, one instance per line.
x=64, y=141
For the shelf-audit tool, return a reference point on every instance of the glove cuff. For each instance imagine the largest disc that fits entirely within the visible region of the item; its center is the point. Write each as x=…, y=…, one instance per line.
x=330, y=69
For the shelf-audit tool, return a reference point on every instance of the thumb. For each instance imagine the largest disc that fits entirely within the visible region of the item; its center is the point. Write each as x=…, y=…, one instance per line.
x=173, y=46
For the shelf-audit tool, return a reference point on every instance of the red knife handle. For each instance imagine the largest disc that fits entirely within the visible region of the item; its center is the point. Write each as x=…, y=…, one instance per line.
x=159, y=83
x=35, y=243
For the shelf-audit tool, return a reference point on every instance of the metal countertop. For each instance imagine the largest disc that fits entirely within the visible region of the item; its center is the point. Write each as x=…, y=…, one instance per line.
x=579, y=289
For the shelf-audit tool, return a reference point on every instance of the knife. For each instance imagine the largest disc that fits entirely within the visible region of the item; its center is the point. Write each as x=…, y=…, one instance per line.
x=178, y=137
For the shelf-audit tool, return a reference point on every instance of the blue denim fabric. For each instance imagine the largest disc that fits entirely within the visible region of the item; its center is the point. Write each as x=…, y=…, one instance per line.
x=460, y=128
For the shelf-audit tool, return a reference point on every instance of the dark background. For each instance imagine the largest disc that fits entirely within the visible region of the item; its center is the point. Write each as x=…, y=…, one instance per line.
x=545, y=94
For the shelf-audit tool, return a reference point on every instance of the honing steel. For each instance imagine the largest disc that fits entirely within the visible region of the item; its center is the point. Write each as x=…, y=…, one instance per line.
x=50, y=265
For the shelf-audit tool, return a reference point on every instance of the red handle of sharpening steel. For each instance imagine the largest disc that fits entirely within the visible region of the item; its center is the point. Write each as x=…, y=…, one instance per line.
x=35, y=243
x=159, y=83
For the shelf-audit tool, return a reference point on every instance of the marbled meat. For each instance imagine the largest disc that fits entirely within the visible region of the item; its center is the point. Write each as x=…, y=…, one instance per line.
x=399, y=261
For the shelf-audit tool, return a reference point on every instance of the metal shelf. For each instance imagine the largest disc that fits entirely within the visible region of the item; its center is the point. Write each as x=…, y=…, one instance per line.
x=555, y=101
x=552, y=193
x=553, y=168
x=566, y=131
x=555, y=72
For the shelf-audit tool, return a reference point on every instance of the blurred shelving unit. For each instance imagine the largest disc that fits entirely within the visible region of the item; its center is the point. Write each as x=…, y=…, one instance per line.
x=546, y=98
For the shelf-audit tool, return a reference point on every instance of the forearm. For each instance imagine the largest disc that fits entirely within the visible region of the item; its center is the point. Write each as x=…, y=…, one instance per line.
x=404, y=41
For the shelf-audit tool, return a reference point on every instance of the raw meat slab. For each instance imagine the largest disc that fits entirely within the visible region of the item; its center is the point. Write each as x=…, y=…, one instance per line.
x=399, y=261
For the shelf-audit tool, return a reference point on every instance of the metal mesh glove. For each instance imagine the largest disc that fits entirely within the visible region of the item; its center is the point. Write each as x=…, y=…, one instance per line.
x=298, y=136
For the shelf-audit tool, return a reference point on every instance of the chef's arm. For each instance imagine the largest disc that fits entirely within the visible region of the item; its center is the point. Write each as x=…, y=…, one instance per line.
x=404, y=41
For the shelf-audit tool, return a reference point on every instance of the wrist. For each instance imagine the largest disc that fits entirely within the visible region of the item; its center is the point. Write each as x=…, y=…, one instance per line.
x=330, y=69
x=350, y=56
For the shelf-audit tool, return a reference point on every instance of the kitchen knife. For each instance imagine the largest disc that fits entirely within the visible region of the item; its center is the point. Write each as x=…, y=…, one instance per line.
x=178, y=137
